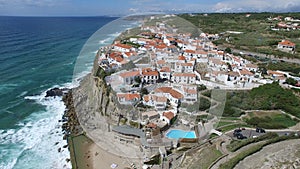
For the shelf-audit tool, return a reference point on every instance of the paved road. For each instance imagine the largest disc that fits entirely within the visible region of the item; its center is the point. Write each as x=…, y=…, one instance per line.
x=263, y=55
x=249, y=133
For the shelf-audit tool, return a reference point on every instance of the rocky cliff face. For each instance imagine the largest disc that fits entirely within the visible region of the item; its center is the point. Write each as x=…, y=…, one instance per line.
x=92, y=101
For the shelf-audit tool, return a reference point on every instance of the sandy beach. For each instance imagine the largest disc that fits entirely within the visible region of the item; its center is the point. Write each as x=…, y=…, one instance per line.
x=85, y=154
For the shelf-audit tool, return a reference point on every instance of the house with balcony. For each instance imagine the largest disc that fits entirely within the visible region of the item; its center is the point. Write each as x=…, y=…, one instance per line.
x=149, y=75
x=190, y=94
x=165, y=73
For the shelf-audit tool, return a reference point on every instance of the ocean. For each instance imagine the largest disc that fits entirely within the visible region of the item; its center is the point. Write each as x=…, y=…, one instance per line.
x=36, y=54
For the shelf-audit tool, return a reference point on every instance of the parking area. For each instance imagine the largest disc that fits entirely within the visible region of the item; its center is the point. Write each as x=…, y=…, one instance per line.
x=252, y=133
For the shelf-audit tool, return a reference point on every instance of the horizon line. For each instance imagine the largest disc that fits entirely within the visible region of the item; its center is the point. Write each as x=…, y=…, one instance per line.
x=120, y=15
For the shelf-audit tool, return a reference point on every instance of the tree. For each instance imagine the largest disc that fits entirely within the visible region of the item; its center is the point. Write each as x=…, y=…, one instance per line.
x=228, y=50
x=144, y=91
x=291, y=81
x=201, y=87
x=137, y=79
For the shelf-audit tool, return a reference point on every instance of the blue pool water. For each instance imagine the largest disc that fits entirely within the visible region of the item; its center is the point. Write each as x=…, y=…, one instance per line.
x=176, y=134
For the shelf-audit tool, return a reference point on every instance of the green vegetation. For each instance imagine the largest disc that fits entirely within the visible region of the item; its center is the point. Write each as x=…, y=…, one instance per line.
x=101, y=73
x=256, y=34
x=237, y=144
x=134, y=124
x=201, y=105
x=205, y=157
x=283, y=66
x=224, y=123
x=270, y=120
x=265, y=97
x=204, y=104
x=233, y=126
x=213, y=135
x=291, y=81
x=200, y=118
x=144, y=91
x=201, y=87
x=235, y=160
x=230, y=118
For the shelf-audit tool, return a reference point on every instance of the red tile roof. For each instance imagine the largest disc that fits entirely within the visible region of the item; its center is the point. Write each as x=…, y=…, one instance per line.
x=129, y=96
x=181, y=57
x=187, y=64
x=169, y=115
x=149, y=72
x=246, y=72
x=165, y=69
x=287, y=43
x=169, y=90
x=151, y=125
x=185, y=74
x=123, y=46
x=189, y=51
x=130, y=74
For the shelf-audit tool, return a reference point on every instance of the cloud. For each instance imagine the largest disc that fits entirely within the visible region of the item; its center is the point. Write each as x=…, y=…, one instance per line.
x=24, y=3
x=218, y=5
x=257, y=5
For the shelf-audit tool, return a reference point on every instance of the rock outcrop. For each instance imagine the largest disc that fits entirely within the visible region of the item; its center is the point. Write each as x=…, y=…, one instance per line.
x=56, y=92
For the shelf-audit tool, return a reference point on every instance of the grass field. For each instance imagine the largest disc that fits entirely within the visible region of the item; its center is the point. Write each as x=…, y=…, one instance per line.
x=256, y=35
x=269, y=119
x=223, y=123
x=233, y=126
x=205, y=157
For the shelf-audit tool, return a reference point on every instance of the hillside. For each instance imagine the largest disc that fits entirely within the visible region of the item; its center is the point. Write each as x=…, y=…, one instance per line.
x=256, y=34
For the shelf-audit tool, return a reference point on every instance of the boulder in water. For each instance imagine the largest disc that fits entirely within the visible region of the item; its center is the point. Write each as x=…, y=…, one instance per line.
x=56, y=92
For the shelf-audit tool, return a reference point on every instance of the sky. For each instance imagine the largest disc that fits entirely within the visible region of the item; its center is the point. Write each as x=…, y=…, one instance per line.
x=126, y=7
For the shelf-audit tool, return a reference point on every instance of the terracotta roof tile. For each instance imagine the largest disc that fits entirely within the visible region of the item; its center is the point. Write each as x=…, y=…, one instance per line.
x=123, y=46
x=129, y=96
x=185, y=74
x=287, y=43
x=130, y=74
x=169, y=115
x=172, y=92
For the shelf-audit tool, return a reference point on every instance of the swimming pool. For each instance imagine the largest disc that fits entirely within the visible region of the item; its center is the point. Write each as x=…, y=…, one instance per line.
x=176, y=134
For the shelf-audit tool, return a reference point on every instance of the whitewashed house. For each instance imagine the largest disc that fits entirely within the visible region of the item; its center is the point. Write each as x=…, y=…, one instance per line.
x=184, y=78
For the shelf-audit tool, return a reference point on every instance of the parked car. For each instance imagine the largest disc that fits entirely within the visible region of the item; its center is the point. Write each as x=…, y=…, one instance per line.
x=260, y=130
x=241, y=136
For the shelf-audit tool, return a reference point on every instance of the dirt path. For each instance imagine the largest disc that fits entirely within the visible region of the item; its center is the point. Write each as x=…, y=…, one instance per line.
x=231, y=155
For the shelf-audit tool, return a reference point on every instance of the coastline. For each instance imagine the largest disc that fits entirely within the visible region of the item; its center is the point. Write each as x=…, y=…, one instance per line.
x=84, y=152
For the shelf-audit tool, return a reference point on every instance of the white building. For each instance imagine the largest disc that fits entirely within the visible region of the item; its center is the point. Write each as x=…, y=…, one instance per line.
x=184, y=78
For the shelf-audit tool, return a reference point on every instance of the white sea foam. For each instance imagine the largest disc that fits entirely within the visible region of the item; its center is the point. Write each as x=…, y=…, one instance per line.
x=115, y=34
x=37, y=135
x=106, y=41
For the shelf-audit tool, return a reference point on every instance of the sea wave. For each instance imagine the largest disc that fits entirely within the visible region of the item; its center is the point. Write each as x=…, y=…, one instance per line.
x=35, y=140
x=39, y=134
